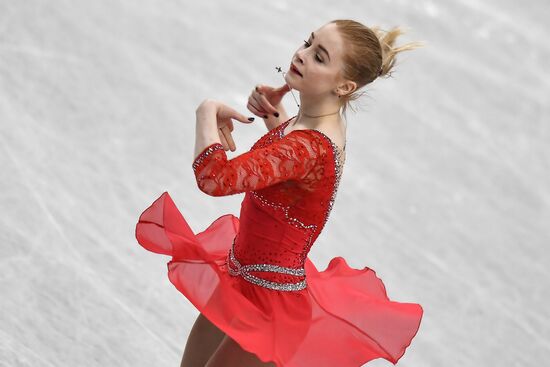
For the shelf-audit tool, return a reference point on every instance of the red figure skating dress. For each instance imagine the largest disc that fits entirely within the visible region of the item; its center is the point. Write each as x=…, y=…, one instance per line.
x=250, y=275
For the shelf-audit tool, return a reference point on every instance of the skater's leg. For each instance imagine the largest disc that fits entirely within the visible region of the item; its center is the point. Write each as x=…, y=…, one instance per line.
x=203, y=341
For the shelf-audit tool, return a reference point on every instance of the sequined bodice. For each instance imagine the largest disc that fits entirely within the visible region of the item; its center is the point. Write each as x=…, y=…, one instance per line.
x=290, y=183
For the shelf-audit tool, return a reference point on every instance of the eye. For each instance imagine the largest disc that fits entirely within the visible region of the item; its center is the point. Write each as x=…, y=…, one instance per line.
x=306, y=45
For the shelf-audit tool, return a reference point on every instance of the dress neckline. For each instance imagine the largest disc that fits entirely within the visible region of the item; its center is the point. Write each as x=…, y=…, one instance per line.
x=341, y=151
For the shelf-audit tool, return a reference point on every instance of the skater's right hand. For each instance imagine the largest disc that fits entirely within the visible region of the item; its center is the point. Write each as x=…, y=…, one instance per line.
x=263, y=98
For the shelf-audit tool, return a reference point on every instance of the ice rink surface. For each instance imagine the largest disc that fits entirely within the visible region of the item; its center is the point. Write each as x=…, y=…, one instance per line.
x=445, y=192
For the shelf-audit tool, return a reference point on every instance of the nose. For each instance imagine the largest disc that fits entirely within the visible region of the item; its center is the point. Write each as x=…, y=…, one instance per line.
x=299, y=58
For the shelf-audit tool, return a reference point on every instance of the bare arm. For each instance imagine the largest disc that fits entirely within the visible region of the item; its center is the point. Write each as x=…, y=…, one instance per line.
x=206, y=128
x=271, y=121
x=214, y=124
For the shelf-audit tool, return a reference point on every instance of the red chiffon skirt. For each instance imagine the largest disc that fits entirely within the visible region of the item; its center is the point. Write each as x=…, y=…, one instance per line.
x=342, y=318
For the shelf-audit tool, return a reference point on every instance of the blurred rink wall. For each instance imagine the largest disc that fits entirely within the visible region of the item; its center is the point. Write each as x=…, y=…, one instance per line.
x=445, y=192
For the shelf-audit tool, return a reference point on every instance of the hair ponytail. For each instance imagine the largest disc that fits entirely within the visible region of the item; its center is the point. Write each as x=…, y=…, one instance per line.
x=370, y=53
x=389, y=51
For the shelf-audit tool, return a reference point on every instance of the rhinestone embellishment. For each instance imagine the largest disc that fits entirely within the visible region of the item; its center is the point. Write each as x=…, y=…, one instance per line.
x=207, y=151
x=338, y=157
x=243, y=270
x=294, y=221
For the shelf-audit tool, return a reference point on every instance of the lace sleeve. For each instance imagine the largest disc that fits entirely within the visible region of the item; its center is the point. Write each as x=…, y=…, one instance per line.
x=289, y=158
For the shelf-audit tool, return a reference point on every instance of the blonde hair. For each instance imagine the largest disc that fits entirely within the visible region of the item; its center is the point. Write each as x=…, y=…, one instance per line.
x=370, y=54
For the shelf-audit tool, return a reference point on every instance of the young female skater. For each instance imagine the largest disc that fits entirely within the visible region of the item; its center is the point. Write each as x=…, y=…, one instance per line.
x=262, y=302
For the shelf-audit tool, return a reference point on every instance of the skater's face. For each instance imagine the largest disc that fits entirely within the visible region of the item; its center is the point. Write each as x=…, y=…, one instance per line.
x=319, y=61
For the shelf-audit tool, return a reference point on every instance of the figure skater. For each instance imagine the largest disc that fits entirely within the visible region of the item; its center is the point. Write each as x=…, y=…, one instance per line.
x=262, y=302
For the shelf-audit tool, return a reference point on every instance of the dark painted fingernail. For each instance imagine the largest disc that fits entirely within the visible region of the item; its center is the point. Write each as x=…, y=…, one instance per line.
x=265, y=116
x=251, y=119
x=276, y=114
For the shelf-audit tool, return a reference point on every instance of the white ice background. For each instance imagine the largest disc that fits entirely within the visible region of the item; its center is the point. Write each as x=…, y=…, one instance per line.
x=445, y=192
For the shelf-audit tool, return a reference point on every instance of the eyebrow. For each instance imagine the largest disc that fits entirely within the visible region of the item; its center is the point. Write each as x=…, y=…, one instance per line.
x=321, y=47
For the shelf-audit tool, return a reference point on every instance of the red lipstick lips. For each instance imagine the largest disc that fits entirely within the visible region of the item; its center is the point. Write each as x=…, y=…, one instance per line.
x=295, y=69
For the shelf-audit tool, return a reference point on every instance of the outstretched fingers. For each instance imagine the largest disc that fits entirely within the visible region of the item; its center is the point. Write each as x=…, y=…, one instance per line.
x=227, y=139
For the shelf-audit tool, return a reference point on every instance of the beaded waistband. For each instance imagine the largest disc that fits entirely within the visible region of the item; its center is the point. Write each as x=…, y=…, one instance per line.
x=243, y=270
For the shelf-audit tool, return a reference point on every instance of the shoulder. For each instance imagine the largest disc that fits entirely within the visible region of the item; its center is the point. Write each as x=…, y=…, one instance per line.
x=312, y=140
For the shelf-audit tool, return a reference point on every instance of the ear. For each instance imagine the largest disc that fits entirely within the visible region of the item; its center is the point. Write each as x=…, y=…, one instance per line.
x=348, y=87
